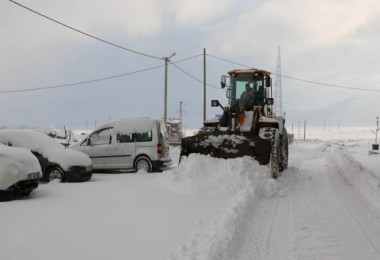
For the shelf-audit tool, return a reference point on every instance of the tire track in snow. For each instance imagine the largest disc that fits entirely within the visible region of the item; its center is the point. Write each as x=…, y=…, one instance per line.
x=260, y=239
x=319, y=218
x=362, y=214
x=313, y=238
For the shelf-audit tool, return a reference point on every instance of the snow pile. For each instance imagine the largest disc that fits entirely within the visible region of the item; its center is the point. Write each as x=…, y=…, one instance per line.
x=218, y=141
x=206, y=175
x=239, y=180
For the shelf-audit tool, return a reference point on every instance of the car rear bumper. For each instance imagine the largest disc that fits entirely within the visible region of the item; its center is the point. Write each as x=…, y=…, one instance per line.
x=79, y=174
x=166, y=161
x=162, y=164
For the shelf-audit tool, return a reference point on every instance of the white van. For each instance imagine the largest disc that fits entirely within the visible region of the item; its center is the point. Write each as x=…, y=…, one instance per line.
x=131, y=143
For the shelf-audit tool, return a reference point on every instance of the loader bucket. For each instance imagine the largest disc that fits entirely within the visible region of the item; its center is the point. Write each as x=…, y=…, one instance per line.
x=223, y=145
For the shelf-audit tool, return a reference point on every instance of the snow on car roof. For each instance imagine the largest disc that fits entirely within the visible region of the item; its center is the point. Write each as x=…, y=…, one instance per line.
x=132, y=125
x=30, y=139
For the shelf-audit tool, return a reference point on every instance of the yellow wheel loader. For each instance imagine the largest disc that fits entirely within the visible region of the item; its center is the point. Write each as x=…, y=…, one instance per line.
x=248, y=126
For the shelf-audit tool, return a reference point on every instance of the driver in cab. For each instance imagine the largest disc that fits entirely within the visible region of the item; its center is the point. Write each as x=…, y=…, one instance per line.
x=247, y=98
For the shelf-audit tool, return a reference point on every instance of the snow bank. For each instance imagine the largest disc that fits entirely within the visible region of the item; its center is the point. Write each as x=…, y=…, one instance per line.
x=239, y=180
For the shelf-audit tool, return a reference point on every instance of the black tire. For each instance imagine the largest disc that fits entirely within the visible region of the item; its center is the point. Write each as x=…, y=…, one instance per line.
x=26, y=193
x=54, y=173
x=275, y=158
x=143, y=163
x=284, y=150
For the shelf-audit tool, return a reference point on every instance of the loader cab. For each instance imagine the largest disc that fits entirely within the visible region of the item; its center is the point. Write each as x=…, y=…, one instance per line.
x=249, y=87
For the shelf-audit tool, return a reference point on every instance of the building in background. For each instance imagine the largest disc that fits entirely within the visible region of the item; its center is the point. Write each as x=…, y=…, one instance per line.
x=174, y=126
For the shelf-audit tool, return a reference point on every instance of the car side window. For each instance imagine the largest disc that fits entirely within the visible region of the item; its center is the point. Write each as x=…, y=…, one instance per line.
x=125, y=138
x=102, y=136
x=144, y=137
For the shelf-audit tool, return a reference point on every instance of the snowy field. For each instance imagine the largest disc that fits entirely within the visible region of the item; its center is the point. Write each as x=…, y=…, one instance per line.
x=325, y=206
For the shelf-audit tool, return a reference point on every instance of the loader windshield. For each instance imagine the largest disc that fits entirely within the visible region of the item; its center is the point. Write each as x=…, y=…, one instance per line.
x=247, y=90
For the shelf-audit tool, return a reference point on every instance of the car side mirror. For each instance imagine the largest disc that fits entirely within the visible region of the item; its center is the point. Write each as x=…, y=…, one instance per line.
x=88, y=141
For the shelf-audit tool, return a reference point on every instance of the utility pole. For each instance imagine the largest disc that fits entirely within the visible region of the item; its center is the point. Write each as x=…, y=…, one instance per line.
x=304, y=130
x=299, y=130
x=167, y=60
x=278, y=90
x=204, y=84
x=180, y=119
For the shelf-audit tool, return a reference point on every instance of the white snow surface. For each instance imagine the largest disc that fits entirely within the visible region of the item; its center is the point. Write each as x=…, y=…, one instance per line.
x=326, y=205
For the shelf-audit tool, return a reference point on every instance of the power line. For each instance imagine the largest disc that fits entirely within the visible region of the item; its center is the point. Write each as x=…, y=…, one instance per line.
x=303, y=80
x=89, y=35
x=78, y=83
x=331, y=85
x=93, y=80
x=228, y=61
x=193, y=77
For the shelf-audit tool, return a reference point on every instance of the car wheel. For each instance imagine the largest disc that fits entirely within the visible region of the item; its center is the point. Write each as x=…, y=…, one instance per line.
x=143, y=163
x=55, y=173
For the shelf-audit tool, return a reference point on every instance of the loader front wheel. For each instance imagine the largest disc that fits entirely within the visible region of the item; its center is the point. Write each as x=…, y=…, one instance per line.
x=284, y=151
x=275, y=159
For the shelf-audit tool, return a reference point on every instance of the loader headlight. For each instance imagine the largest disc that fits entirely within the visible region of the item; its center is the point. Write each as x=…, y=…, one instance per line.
x=269, y=101
x=214, y=103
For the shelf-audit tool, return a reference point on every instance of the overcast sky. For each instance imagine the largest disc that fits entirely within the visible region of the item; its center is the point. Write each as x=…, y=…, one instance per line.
x=332, y=42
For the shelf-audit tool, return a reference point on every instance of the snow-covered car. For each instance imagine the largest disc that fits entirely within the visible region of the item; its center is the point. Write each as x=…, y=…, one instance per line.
x=19, y=172
x=56, y=161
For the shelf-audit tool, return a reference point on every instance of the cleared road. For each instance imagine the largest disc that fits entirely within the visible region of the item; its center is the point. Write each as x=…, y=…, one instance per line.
x=321, y=214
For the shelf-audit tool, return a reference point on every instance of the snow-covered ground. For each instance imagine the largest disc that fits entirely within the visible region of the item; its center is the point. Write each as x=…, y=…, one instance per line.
x=325, y=206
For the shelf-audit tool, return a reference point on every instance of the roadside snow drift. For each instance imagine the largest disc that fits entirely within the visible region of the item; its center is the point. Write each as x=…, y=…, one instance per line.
x=238, y=180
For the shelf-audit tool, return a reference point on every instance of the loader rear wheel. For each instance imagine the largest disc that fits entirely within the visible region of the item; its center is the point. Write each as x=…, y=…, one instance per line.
x=284, y=151
x=275, y=159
